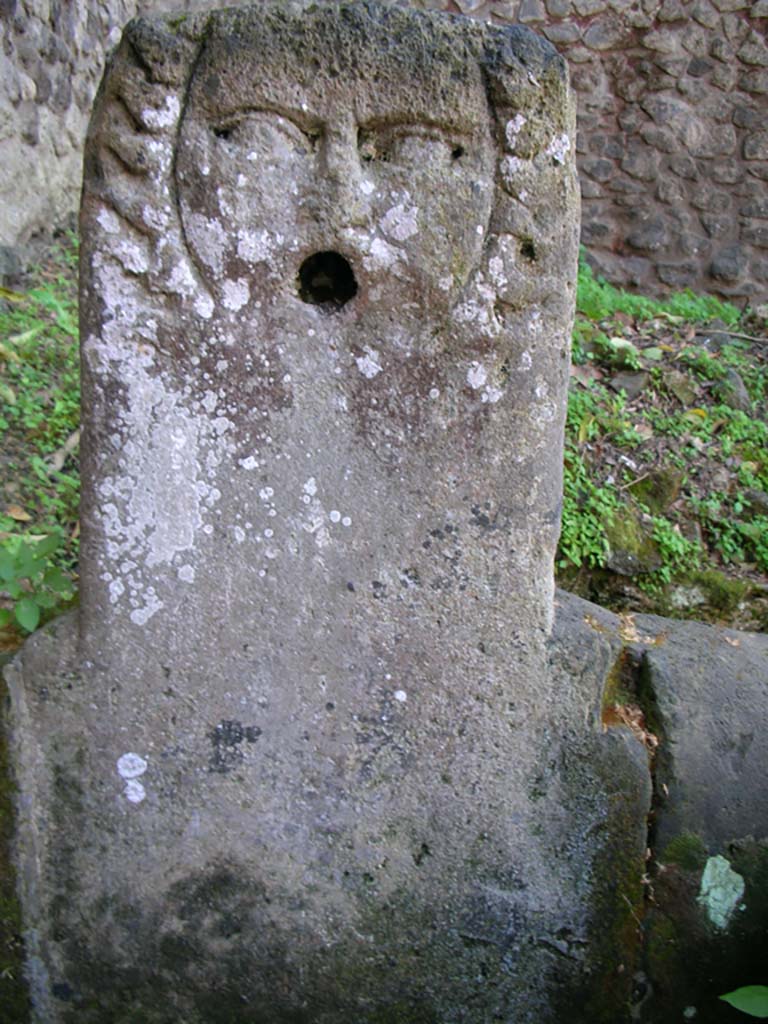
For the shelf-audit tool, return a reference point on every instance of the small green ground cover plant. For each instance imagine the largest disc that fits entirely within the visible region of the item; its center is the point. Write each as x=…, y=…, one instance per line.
x=666, y=455
x=39, y=426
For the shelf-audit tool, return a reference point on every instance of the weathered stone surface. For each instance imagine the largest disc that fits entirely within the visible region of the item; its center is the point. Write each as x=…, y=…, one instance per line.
x=308, y=752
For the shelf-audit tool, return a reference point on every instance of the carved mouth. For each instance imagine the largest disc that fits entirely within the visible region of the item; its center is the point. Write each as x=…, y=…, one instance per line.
x=326, y=279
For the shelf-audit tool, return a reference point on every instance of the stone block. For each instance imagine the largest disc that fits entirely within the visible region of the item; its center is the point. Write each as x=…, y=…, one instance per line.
x=715, y=140
x=659, y=138
x=678, y=275
x=559, y=8
x=600, y=170
x=531, y=12
x=641, y=164
x=748, y=117
x=758, y=207
x=756, y=146
x=754, y=50
x=725, y=77
x=705, y=14
x=736, y=28
x=562, y=34
x=758, y=170
x=755, y=233
x=755, y=82
x=759, y=10
x=731, y=5
x=662, y=41
x=604, y=34
x=699, y=67
x=684, y=167
x=716, y=225
x=672, y=10
x=588, y=8
x=729, y=263
x=650, y=236
x=728, y=173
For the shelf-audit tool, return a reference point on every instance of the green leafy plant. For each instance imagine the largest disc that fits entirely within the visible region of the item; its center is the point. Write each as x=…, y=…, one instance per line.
x=31, y=581
x=587, y=509
x=750, y=999
x=598, y=300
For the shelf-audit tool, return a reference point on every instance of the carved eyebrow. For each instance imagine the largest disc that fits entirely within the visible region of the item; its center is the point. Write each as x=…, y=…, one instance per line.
x=300, y=120
x=408, y=125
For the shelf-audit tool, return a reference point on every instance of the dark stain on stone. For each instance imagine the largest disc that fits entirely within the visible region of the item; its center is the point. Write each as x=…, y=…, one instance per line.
x=226, y=743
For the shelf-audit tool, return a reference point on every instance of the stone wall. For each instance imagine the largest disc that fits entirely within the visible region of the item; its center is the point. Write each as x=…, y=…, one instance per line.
x=673, y=118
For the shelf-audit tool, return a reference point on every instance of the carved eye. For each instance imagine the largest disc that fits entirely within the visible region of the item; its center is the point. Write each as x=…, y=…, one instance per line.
x=265, y=131
x=409, y=145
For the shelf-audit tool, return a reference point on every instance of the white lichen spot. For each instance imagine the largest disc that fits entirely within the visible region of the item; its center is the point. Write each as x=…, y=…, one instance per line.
x=134, y=792
x=526, y=362
x=249, y=462
x=721, y=891
x=116, y=591
x=401, y=222
x=401, y=696
x=479, y=229
x=186, y=573
x=434, y=393
x=133, y=256
x=559, y=147
x=477, y=375
x=109, y=221
x=334, y=515
x=346, y=521
x=236, y=294
x=492, y=394
x=369, y=364
x=310, y=487
x=445, y=284
x=209, y=238
x=141, y=616
x=131, y=765
x=383, y=256
x=239, y=533
x=204, y=306
x=513, y=128
x=166, y=116
x=367, y=187
x=181, y=280
x=510, y=166
x=154, y=218
x=256, y=246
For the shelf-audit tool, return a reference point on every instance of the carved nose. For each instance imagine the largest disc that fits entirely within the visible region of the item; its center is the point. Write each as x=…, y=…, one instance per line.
x=342, y=171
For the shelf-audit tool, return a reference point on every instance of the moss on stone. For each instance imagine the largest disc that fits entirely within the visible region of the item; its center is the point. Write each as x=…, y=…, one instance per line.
x=13, y=991
x=686, y=851
x=723, y=592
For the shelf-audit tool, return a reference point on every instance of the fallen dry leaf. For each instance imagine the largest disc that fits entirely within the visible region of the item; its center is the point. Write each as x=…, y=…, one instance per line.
x=17, y=512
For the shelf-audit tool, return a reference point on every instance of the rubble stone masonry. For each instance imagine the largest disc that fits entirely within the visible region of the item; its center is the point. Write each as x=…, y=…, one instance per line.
x=673, y=126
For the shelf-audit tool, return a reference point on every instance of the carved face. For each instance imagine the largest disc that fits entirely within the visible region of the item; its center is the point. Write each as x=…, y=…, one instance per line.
x=285, y=158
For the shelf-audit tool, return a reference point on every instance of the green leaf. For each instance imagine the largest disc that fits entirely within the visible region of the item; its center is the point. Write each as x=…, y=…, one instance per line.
x=56, y=580
x=47, y=545
x=751, y=999
x=6, y=615
x=7, y=565
x=27, y=614
x=46, y=600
